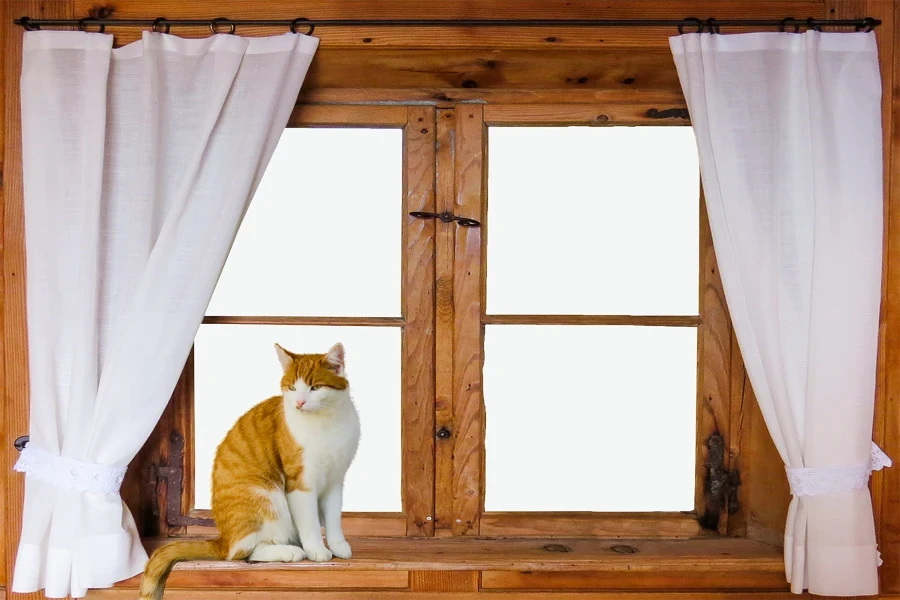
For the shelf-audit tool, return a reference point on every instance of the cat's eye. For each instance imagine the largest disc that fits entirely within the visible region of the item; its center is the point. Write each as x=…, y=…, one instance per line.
x=315, y=387
x=292, y=388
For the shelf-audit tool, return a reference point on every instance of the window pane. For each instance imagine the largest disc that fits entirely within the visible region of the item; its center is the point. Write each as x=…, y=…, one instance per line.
x=323, y=225
x=235, y=368
x=602, y=408
x=593, y=220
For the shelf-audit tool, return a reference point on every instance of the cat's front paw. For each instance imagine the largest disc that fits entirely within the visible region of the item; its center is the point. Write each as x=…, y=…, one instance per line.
x=318, y=554
x=341, y=549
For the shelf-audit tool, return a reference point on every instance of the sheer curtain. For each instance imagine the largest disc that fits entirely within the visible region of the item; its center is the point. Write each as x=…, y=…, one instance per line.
x=139, y=164
x=789, y=132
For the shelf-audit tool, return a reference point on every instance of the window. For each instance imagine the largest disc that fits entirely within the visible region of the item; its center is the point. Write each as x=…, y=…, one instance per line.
x=522, y=377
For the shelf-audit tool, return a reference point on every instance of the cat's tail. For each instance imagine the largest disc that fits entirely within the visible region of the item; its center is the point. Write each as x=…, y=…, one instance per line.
x=153, y=583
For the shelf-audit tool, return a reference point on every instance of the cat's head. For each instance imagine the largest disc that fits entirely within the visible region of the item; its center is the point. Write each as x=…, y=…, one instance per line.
x=312, y=382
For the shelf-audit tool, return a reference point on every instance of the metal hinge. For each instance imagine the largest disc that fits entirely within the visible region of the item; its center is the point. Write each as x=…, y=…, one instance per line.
x=720, y=488
x=172, y=471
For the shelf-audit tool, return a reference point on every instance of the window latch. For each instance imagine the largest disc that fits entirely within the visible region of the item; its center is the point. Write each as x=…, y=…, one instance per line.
x=720, y=489
x=446, y=217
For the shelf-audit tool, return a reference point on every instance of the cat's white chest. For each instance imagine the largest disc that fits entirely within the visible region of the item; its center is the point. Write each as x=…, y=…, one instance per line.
x=329, y=444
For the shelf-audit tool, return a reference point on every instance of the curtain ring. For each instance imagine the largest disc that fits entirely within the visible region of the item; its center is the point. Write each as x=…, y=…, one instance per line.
x=160, y=25
x=29, y=26
x=297, y=21
x=811, y=25
x=691, y=21
x=82, y=24
x=712, y=25
x=214, y=25
x=867, y=26
x=789, y=20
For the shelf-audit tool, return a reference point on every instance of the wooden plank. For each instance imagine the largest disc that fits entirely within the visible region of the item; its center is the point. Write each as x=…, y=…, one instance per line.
x=444, y=351
x=525, y=554
x=298, y=320
x=419, y=333
x=15, y=336
x=632, y=113
x=468, y=333
x=250, y=579
x=6, y=454
x=636, y=580
x=606, y=525
x=224, y=594
x=445, y=97
x=305, y=115
x=635, y=320
x=459, y=9
x=713, y=375
x=443, y=581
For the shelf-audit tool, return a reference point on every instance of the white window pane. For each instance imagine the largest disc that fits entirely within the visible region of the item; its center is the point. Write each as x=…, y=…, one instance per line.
x=235, y=368
x=593, y=220
x=323, y=226
x=590, y=418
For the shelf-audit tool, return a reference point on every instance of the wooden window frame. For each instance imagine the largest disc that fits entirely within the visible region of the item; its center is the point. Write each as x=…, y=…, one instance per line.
x=444, y=275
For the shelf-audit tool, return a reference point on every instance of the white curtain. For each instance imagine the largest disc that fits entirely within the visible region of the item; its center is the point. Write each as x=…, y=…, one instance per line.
x=139, y=164
x=789, y=133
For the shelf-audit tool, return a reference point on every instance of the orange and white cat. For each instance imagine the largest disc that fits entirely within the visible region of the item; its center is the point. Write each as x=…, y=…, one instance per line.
x=278, y=475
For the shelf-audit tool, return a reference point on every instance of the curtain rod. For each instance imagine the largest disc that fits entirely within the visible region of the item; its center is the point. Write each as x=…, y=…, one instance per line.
x=304, y=25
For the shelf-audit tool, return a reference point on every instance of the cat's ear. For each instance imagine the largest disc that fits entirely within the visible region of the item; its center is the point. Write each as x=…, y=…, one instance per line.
x=284, y=357
x=335, y=357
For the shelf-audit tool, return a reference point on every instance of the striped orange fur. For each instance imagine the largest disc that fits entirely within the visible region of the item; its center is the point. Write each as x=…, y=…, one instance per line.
x=279, y=467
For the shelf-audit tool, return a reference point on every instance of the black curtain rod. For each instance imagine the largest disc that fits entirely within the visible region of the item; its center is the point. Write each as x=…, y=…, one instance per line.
x=304, y=25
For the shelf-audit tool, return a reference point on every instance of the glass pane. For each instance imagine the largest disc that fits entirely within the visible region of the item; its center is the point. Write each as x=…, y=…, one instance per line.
x=602, y=408
x=323, y=225
x=593, y=220
x=235, y=368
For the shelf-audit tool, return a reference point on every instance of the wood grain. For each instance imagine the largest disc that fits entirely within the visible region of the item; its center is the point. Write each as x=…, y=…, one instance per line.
x=636, y=580
x=419, y=332
x=260, y=579
x=714, y=414
x=605, y=525
x=5, y=454
x=443, y=329
x=458, y=9
x=526, y=554
x=305, y=115
x=127, y=594
x=15, y=335
x=635, y=320
x=299, y=320
x=468, y=332
x=443, y=581
x=599, y=114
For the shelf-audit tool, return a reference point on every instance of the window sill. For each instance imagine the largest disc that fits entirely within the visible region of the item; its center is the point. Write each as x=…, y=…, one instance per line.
x=707, y=564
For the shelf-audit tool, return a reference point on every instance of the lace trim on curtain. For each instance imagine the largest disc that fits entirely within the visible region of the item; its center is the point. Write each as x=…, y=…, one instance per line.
x=822, y=481
x=69, y=473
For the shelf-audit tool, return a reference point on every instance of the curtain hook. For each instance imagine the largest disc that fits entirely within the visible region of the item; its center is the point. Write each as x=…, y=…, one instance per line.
x=712, y=25
x=691, y=21
x=160, y=25
x=297, y=22
x=214, y=25
x=82, y=24
x=811, y=25
x=29, y=26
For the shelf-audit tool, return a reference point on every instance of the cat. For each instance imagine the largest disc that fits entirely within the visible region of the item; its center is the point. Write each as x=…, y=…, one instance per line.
x=278, y=475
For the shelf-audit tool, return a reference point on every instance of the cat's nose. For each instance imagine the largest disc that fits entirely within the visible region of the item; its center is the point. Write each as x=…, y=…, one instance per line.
x=300, y=403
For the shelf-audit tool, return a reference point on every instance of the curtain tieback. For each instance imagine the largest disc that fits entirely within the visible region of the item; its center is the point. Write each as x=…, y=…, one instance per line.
x=826, y=481
x=65, y=472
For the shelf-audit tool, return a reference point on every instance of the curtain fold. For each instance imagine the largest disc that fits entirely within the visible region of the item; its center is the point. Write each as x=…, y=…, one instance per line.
x=139, y=164
x=789, y=134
